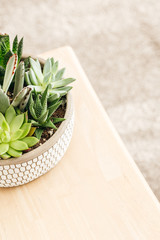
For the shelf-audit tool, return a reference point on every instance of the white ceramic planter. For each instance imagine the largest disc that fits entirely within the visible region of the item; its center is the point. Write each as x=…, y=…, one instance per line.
x=31, y=165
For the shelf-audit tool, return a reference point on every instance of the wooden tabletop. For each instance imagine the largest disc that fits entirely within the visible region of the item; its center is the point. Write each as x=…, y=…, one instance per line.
x=95, y=192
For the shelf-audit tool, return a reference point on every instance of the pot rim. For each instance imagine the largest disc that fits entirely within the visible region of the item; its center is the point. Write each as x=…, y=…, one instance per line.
x=51, y=141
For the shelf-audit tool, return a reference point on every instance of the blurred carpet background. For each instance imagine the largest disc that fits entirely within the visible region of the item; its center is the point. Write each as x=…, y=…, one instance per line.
x=118, y=44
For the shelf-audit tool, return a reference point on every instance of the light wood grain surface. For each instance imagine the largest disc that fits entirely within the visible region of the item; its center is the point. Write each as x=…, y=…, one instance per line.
x=95, y=192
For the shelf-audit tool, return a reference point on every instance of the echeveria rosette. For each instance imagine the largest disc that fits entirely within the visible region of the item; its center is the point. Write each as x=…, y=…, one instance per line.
x=13, y=134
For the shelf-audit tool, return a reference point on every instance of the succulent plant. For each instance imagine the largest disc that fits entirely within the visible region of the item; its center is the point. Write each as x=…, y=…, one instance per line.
x=41, y=112
x=30, y=94
x=6, y=52
x=13, y=134
x=38, y=79
x=20, y=95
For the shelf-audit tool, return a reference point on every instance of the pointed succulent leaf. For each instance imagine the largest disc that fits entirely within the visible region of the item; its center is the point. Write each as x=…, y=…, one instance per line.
x=19, y=79
x=9, y=73
x=32, y=77
x=30, y=141
x=19, y=145
x=5, y=136
x=27, y=63
x=20, y=49
x=36, y=70
x=63, y=82
x=3, y=148
x=2, y=118
x=54, y=97
x=38, y=89
x=5, y=156
x=52, y=80
x=31, y=132
x=47, y=78
x=59, y=74
x=39, y=132
x=38, y=106
x=26, y=129
x=5, y=126
x=26, y=117
x=57, y=91
x=25, y=100
x=16, y=135
x=53, y=108
x=15, y=45
x=61, y=89
x=57, y=120
x=14, y=153
x=52, y=61
x=45, y=95
x=31, y=108
x=17, y=122
x=47, y=67
x=27, y=79
x=38, y=64
x=35, y=123
x=49, y=124
x=55, y=67
x=21, y=96
x=43, y=117
x=32, y=112
x=4, y=101
x=10, y=114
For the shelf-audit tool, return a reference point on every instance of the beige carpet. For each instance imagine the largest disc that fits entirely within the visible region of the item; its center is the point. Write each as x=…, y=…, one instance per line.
x=118, y=44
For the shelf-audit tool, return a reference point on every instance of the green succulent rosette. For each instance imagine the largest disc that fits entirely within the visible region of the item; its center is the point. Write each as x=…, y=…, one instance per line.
x=14, y=130
x=39, y=79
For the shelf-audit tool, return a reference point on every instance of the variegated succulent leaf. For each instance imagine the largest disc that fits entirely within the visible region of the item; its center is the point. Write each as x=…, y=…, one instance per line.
x=20, y=50
x=15, y=45
x=27, y=63
x=22, y=98
x=19, y=79
x=25, y=100
x=9, y=73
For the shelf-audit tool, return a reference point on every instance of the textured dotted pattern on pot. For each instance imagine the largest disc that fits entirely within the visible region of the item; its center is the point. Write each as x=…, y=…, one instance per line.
x=19, y=174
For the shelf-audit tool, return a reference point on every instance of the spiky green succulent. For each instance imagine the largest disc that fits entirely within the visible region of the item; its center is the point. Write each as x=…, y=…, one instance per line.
x=13, y=134
x=6, y=51
x=41, y=111
x=39, y=80
x=20, y=94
